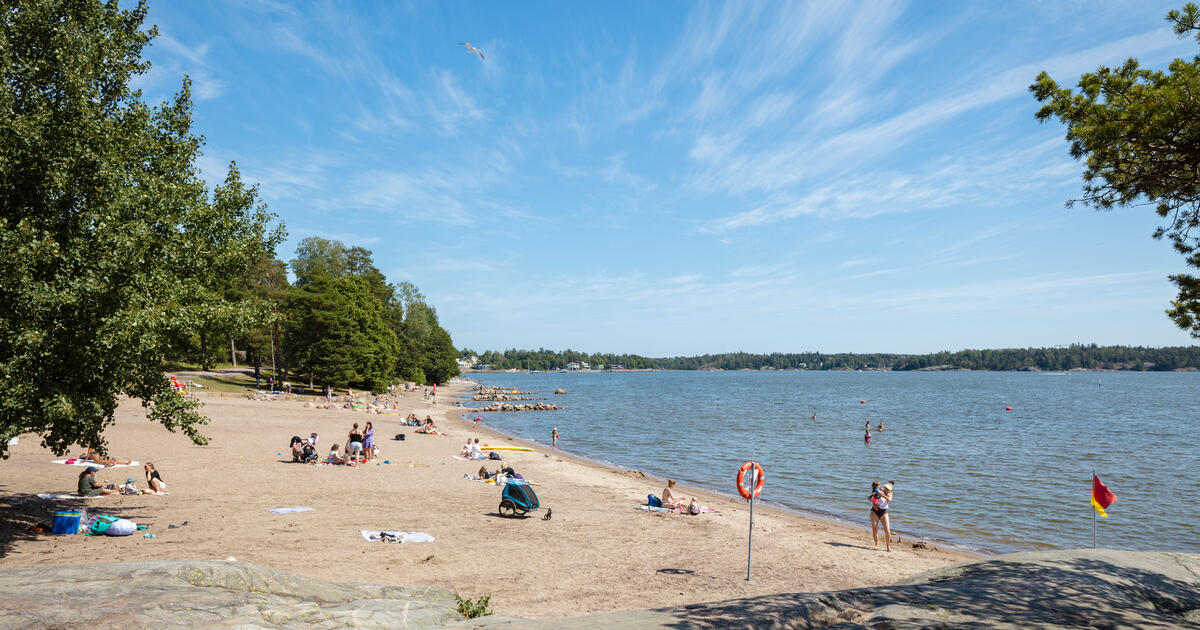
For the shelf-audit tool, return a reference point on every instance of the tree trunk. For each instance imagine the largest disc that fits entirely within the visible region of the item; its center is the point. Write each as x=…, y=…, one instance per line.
x=232, y=352
x=205, y=363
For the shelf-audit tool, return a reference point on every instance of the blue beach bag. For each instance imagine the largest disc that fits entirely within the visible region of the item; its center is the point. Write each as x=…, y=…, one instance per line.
x=653, y=501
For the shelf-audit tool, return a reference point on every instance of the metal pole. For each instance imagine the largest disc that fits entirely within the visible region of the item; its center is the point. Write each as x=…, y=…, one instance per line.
x=1093, y=510
x=750, y=542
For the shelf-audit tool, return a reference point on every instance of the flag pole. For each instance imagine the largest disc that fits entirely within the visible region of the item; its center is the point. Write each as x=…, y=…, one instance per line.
x=1093, y=510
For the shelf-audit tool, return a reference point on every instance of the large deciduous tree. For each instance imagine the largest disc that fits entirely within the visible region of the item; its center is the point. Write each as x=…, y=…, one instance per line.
x=111, y=249
x=1139, y=132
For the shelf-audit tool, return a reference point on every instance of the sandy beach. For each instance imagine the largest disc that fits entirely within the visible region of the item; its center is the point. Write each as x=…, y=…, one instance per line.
x=597, y=553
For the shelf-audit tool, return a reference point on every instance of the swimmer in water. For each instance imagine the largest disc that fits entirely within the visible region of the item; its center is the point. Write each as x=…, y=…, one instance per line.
x=867, y=435
x=880, y=427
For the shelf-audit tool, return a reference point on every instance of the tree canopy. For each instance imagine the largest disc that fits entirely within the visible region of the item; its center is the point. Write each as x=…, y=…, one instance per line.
x=342, y=310
x=112, y=251
x=1138, y=131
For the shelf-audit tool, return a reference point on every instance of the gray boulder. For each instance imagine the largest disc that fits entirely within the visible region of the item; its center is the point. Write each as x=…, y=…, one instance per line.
x=208, y=594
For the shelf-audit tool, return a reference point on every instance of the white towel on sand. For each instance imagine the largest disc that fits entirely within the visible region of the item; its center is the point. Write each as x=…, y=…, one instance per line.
x=372, y=535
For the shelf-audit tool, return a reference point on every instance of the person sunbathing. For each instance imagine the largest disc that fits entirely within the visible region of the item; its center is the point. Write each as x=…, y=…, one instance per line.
x=97, y=458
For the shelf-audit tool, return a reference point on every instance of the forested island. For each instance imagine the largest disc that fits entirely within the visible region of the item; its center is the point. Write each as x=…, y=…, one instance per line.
x=1059, y=358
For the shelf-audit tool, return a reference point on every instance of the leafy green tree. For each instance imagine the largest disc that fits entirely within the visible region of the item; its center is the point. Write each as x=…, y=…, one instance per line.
x=1139, y=133
x=337, y=335
x=111, y=250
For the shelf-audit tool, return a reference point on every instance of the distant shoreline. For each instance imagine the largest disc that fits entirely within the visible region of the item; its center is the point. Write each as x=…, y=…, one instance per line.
x=1032, y=370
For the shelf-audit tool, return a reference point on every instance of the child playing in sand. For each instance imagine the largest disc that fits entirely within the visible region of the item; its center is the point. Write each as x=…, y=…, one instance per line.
x=334, y=458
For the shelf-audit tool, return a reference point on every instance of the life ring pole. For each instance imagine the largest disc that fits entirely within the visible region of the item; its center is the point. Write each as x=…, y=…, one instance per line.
x=750, y=542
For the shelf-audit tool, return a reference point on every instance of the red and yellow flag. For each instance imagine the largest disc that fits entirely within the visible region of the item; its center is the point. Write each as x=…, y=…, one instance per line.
x=1102, y=497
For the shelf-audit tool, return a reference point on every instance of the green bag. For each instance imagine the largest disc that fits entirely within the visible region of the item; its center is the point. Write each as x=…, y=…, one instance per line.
x=101, y=525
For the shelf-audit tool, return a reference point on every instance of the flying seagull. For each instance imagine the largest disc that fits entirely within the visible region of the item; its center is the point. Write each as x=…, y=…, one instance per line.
x=472, y=49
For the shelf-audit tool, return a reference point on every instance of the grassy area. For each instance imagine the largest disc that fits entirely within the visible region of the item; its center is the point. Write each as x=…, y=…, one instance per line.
x=235, y=383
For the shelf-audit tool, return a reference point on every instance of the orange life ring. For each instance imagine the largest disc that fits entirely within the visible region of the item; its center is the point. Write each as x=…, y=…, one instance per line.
x=742, y=489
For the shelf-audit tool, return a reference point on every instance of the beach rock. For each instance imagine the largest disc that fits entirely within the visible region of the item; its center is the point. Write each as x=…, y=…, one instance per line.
x=308, y=405
x=206, y=594
x=1092, y=588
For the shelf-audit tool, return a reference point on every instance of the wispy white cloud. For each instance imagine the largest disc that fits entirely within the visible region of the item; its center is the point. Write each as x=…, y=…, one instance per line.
x=193, y=61
x=454, y=106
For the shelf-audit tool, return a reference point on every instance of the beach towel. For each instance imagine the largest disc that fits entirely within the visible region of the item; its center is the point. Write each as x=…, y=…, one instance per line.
x=83, y=462
x=650, y=508
x=375, y=536
x=64, y=496
x=289, y=510
x=469, y=459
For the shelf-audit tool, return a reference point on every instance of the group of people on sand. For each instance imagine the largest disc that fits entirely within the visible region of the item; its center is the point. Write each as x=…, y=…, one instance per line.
x=679, y=504
x=472, y=450
x=89, y=487
x=360, y=447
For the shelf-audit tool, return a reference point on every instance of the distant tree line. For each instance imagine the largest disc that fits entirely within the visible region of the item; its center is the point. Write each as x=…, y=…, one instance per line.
x=1076, y=356
x=340, y=324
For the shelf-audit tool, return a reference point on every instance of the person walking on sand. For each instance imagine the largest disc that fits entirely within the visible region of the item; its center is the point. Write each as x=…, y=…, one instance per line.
x=554, y=437
x=881, y=499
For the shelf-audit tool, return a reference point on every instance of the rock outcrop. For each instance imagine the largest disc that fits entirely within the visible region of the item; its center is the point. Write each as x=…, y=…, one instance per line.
x=1053, y=589
x=519, y=407
x=207, y=594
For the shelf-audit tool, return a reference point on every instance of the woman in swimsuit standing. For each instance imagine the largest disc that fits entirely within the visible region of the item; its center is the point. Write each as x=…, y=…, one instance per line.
x=368, y=442
x=881, y=498
x=354, y=444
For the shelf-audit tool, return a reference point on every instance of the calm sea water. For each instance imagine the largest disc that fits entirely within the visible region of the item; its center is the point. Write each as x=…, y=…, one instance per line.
x=967, y=471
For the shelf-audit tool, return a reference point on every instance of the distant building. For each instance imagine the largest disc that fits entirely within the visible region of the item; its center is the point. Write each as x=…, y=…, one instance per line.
x=572, y=366
x=467, y=363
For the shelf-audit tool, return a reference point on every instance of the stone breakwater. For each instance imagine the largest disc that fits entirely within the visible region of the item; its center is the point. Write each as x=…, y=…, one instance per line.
x=519, y=407
x=494, y=389
x=368, y=408
x=502, y=397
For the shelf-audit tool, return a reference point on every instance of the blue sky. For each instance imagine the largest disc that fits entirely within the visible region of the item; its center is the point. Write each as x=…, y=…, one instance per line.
x=672, y=178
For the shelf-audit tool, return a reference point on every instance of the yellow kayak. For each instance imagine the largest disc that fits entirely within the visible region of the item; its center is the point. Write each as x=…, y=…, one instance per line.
x=505, y=448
